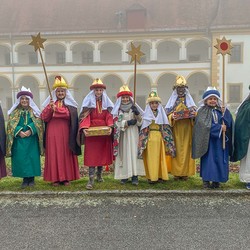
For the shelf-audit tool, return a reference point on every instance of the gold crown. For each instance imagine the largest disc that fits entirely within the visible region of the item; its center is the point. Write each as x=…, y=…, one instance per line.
x=97, y=83
x=124, y=90
x=59, y=83
x=180, y=82
x=153, y=97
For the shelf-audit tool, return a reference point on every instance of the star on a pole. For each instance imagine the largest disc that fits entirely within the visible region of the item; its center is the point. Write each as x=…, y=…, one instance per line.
x=37, y=42
x=135, y=53
x=223, y=46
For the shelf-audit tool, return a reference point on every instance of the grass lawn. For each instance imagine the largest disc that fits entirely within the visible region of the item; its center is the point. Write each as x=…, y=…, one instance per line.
x=194, y=183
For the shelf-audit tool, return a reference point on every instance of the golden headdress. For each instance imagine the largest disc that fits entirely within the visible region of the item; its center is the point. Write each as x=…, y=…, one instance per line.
x=180, y=82
x=60, y=83
x=153, y=97
x=97, y=83
x=124, y=90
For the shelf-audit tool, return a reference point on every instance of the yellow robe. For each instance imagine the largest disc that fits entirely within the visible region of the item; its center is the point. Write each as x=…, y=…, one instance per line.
x=182, y=164
x=154, y=155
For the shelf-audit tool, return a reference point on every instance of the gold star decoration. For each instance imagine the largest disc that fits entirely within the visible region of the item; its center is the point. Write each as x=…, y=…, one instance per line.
x=223, y=46
x=135, y=53
x=37, y=42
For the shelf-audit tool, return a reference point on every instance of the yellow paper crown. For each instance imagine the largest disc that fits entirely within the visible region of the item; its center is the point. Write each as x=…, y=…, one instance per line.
x=97, y=83
x=124, y=90
x=153, y=97
x=59, y=83
x=180, y=82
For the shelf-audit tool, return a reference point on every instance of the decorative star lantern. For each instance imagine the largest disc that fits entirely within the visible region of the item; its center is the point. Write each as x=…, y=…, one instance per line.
x=223, y=46
x=37, y=42
x=135, y=53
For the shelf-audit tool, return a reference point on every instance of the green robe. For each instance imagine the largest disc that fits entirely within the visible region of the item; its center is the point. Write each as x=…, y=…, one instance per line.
x=25, y=152
x=242, y=131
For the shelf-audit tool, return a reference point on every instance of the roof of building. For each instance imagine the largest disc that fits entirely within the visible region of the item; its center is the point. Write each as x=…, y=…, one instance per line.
x=92, y=16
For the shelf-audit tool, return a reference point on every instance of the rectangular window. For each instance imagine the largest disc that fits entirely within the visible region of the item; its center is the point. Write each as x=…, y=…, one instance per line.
x=33, y=58
x=236, y=54
x=7, y=59
x=87, y=57
x=60, y=58
x=234, y=93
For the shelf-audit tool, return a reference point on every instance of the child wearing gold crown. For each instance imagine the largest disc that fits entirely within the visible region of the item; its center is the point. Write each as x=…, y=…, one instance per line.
x=155, y=140
x=95, y=126
x=61, y=149
x=181, y=111
x=207, y=139
x=127, y=120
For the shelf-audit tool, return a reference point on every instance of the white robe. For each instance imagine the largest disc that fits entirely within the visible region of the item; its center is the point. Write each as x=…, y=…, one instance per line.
x=245, y=167
x=126, y=163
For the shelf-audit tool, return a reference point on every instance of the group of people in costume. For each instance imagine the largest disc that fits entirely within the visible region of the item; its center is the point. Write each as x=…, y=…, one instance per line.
x=152, y=142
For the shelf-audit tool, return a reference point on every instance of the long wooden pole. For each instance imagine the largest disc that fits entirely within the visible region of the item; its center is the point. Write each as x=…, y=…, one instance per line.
x=47, y=81
x=135, y=79
x=223, y=100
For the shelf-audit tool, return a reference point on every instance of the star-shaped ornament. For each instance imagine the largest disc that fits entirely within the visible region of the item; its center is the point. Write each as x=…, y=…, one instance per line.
x=37, y=41
x=223, y=46
x=135, y=53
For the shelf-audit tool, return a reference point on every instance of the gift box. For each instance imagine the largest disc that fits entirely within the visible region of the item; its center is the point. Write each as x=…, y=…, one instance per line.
x=183, y=114
x=98, y=131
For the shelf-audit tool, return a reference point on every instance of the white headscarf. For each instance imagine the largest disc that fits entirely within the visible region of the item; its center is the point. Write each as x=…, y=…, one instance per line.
x=189, y=100
x=32, y=104
x=149, y=116
x=68, y=100
x=90, y=101
x=117, y=105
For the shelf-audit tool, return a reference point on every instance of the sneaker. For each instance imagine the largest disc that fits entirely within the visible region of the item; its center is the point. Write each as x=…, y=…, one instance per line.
x=66, y=183
x=248, y=185
x=135, y=180
x=99, y=178
x=152, y=182
x=56, y=184
x=206, y=184
x=215, y=184
x=90, y=183
x=124, y=181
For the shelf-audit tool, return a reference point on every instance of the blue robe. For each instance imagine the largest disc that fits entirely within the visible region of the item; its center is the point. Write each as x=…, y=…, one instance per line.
x=214, y=165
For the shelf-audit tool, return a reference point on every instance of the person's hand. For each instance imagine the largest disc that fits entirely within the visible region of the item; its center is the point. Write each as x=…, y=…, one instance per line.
x=86, y=133
x=131, y=122
x=52, y=105
x=22, y=134
x=224, y=128
x=174, y=116
x=135, y=110
x=27, y=133
x=110, y=131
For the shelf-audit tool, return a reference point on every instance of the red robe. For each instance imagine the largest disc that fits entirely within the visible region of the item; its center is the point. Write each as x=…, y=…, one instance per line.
x=60, y=162
x=98, y=150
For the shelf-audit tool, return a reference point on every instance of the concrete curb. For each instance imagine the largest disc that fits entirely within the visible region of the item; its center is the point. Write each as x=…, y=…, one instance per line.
x=127, y=193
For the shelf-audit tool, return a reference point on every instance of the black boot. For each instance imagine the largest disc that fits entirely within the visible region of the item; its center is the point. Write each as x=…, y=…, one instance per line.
x=215, y=184
x=206, y=184
x=25, y=182
x=31, y=181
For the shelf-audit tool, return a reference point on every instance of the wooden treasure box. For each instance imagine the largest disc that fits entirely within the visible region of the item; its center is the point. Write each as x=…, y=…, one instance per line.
x=183, y=114
x=98, y=131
